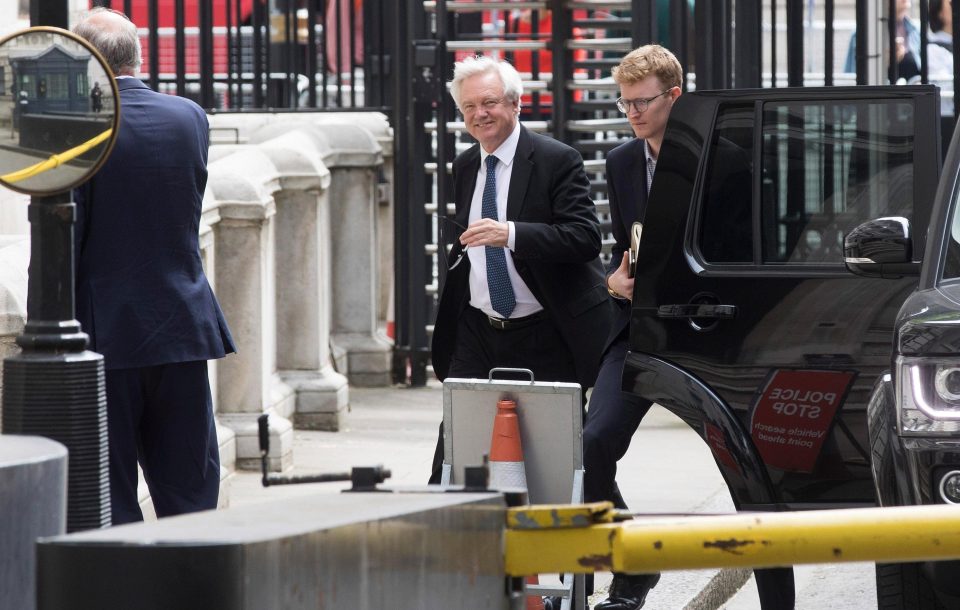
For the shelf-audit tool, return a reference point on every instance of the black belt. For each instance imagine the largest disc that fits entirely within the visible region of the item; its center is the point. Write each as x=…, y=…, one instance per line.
x=515, y=323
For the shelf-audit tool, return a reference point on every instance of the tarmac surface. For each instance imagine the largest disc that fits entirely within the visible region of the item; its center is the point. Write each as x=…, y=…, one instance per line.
x=668, y=469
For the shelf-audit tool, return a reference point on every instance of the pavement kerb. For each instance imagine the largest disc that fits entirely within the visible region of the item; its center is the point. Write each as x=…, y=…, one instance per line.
x=724, y=585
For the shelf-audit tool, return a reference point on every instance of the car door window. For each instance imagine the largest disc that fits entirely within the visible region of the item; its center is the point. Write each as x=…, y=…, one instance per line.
x=726, y=228
x=824, y=167
x=827, y=167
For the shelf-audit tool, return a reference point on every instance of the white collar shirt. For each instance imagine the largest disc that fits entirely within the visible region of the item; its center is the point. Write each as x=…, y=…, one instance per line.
x=527, y=304
x=651, y=164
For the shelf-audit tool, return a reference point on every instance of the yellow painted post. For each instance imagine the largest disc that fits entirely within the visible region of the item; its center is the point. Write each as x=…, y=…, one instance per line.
x=653, y=544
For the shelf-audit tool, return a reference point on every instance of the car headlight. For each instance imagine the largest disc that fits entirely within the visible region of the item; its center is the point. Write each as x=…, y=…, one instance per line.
x=929, y=395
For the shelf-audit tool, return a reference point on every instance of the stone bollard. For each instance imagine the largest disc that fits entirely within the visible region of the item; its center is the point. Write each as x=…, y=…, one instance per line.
x=241, y=128
x=379, y=127
x=226, y=439
x=303, y=272
x=33, y=504
x=354, y=160
x=243, y=181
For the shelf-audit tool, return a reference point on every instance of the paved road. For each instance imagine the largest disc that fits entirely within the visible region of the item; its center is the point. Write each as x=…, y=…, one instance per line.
x=847, y=586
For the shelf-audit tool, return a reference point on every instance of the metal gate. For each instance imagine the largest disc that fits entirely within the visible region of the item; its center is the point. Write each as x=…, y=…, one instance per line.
x=395, y=56
x=565, y=49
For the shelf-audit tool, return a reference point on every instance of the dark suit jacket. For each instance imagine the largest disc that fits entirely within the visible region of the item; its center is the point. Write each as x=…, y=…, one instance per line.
x=142, y=295
x=627, y=192
x=556, y=250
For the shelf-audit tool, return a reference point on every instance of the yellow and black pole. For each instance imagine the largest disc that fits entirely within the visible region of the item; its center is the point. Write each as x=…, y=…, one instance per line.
x=587, y=538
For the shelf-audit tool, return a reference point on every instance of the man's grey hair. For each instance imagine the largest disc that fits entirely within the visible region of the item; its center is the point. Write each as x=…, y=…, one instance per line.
x=121, y=47
x=481, y=64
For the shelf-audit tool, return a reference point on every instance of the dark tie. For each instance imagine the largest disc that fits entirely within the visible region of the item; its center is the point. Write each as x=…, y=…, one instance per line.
x=498, y=281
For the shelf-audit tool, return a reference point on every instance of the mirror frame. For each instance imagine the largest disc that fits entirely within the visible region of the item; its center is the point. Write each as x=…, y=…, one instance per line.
x=116, y=114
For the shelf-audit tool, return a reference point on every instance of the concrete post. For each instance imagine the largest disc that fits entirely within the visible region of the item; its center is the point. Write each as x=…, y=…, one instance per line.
x=354, y=161
x=303, y=277
x=33, y=477
x=226, y=439
x=379, y=127
x=243, y=181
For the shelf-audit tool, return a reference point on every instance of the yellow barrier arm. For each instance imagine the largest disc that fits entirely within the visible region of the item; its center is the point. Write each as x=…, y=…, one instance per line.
x=55, y=160
x=653, y=544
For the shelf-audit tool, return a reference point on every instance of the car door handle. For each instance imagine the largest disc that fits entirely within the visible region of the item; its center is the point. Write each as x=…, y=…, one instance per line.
x=697, y=310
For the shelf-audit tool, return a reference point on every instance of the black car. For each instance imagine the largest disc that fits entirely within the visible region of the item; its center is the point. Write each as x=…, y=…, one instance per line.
x=914, y=411
x=777, y=309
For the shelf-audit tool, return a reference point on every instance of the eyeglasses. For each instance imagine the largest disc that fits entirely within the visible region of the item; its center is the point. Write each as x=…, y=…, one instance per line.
x=488, y=105
x=442, y=241
x=638, y=105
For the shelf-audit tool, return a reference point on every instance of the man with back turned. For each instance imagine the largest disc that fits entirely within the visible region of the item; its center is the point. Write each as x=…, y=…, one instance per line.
x=142, y=295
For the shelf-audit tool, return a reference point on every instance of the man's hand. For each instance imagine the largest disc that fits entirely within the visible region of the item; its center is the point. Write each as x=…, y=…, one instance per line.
x=619, y=281
x=486, y=232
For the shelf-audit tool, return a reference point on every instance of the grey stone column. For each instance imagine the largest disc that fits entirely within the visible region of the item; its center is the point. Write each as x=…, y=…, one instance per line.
x=354, y=161
x=226, y=439
x=33, y=504
x=248, y=127
x=243, y=181
x=379, y=127
x=304, y=287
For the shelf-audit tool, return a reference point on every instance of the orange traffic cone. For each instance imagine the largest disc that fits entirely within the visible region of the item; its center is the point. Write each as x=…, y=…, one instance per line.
x=506, y=453
x=506, y=465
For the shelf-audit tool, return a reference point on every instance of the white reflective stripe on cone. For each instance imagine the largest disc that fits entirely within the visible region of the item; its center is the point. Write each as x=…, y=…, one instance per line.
x=507, y=474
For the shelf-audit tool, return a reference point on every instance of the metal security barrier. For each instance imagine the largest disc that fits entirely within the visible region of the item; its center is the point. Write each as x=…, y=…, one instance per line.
x=586, y=538
x=443, y=547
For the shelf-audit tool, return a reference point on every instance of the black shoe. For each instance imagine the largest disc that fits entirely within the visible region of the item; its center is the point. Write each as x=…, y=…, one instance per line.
x=628, y=592
x=552, y=603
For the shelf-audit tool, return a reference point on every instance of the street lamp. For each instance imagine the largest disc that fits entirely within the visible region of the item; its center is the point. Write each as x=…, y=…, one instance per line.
x=55, y=386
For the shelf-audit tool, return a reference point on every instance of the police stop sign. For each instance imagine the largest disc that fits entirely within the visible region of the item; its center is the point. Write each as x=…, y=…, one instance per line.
x=793, y=413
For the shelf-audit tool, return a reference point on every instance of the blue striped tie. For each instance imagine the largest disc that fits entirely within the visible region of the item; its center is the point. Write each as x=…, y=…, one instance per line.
x=498, y=281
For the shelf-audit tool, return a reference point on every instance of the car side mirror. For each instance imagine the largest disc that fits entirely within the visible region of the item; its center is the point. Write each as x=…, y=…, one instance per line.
x=881, y=247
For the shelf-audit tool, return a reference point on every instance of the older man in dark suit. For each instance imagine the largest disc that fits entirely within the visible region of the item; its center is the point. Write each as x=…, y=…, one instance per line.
x=526, y=287
x=141, y=291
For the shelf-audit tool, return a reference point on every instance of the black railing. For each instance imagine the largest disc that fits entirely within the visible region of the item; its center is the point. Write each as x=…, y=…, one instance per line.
x=233, y=55
x=395, y=55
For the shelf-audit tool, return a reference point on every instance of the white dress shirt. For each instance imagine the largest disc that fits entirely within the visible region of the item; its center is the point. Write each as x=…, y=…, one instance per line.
x=527, y=304
x=651, y=164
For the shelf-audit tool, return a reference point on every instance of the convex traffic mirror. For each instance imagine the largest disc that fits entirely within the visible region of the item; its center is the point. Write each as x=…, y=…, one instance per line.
x=59, y=111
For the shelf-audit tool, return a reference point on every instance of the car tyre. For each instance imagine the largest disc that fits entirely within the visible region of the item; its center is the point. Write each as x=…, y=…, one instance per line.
x=904, y=586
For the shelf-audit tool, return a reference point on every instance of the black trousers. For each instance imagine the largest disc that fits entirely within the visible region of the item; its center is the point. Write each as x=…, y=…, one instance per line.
x=162, y=417
x=612, y=419
x=480, y=347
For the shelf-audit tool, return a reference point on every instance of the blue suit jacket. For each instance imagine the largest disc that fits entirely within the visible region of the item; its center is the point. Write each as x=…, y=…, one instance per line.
x=141, y=292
